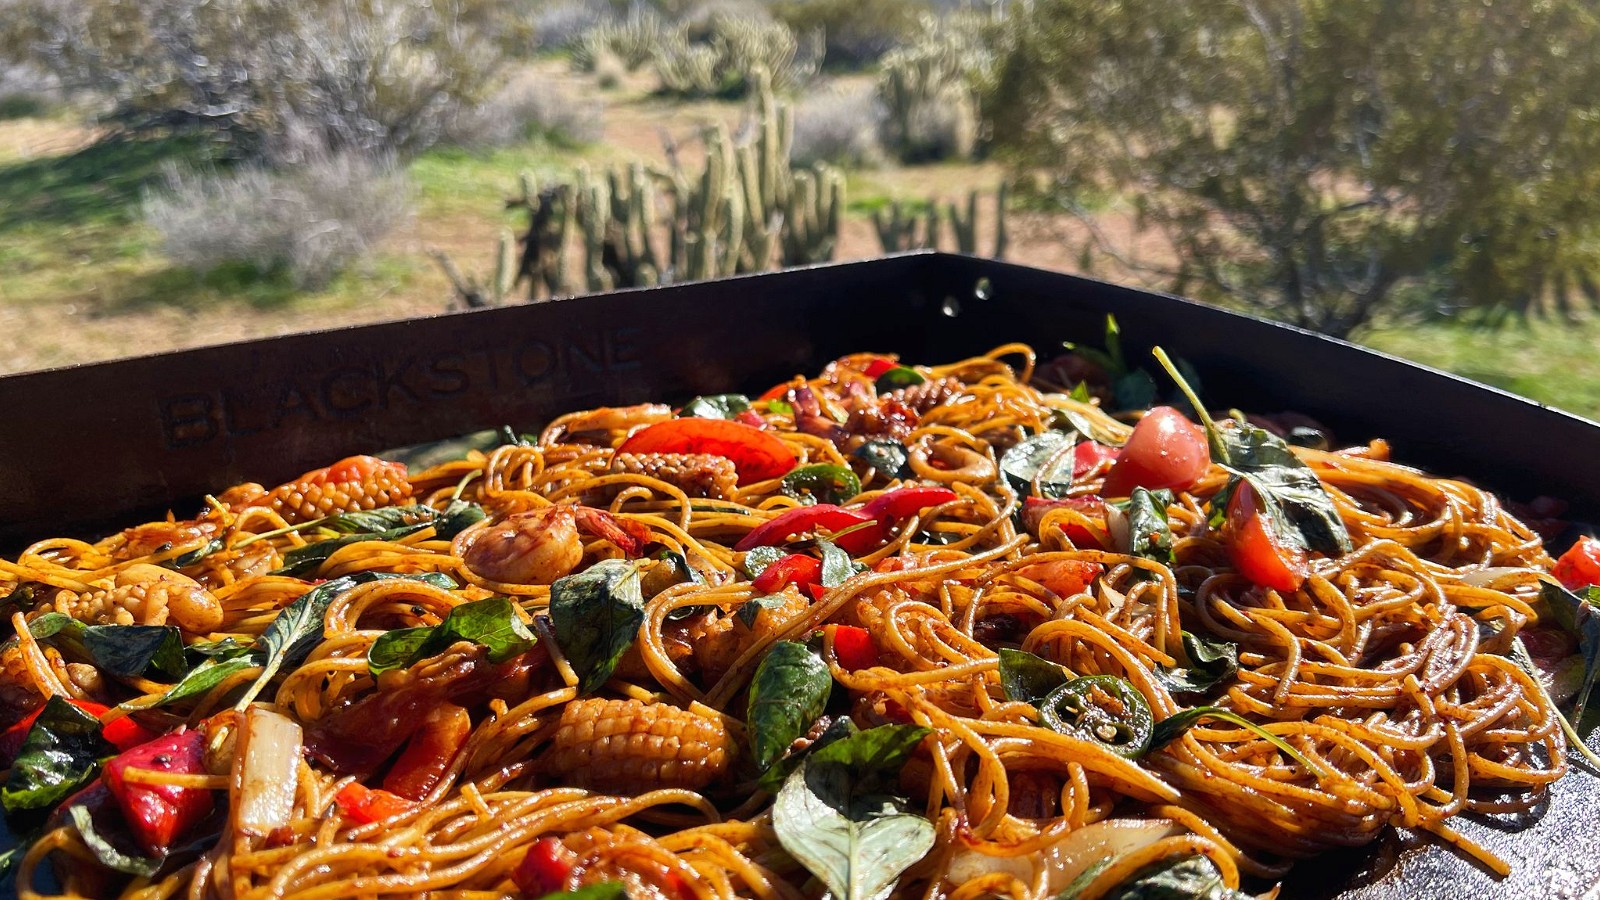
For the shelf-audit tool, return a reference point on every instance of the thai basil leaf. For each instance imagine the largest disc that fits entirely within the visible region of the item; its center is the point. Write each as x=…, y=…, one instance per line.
x=837, y=729
x=779, y=407
x=128, y=650
x=299, y=627
x=211, y=672
x=184, y=560
x=605, y=890
x=226, y=648
x=1080, y=393
x=305, y=559
x=386, y=518
x=788, y=693
x=61, y=753
x=1188, y=878
x=110, y=855
x=1169, y=729
x=597, y=614
x=387, y=524
x=1044, y=460
x=821, y=483
x=1027, y=678
x=1579, y=617
x=1094, y=430
x=51, y=624
x=837, y=566
x=1074, y=888
x=1211, y=663
x=758, y=558
x=1149, y=531
x=715, y=406
x=897, y=378
x=1294, y=500
x=834, y=816
x=890, y=458
x=493, y=623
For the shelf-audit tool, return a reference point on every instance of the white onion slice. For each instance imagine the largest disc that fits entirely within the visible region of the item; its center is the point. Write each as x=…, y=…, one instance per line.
x=1488, y=577
x=270, y=760
x=1068, y=857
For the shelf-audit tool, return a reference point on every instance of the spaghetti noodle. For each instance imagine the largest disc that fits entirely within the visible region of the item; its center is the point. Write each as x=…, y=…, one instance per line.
x=917, y=555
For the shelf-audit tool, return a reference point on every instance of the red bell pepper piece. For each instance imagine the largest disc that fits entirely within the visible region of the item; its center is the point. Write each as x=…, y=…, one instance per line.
x=365, y=805
x=158, y=814
x=544, y=868
x=429, y=752
x=853, y=647
x=796, y=568
x=895, y=505
x=1034, y=510
x=757, y=455
x=1579, y=567
x=123, y=733
x=827, y=517
x=879, y=366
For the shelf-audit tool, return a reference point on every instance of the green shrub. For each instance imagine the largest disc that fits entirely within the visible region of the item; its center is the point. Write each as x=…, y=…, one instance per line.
x=725, y=61
x=932, y=87
x=856, y=32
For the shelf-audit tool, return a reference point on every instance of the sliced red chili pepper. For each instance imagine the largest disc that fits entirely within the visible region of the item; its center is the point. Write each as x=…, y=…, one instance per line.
x=796, y=568
x=544, y=868
x=825, y=517
x=429, y=752
x=158, y=814
x=123, y=733
x=853, y=647
x=1034, y=510
x=898, y=504
x=365, y=805
x=757, y=455
x=1255, y=549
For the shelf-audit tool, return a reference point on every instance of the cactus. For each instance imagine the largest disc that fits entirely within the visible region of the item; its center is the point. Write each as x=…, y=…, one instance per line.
x=727, y=61
x=475, y=294
x=897, y=231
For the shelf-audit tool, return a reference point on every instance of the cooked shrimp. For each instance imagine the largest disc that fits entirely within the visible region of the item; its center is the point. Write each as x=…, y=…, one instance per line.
x=526, y=548
x=606, y=418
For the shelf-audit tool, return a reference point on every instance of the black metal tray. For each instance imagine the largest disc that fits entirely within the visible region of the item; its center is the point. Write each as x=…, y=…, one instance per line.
x=88, y=447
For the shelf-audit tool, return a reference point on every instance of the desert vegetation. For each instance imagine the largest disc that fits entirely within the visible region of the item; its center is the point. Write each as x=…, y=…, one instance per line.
x=195, y=170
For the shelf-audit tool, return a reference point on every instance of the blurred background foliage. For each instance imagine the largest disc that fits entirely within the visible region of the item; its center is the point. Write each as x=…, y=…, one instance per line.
x=1422, y=177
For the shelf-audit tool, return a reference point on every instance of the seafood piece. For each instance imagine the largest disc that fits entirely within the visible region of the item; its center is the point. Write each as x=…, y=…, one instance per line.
x=353, y=483
x=605, y=419
x=534, y=547
x=157, y=537
x=920, y=398
x=631, y=747
x=696, y=474
x=146, y=595
x=19, y=693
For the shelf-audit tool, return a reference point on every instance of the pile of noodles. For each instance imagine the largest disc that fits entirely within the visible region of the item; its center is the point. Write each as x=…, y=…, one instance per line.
x=1388, y=670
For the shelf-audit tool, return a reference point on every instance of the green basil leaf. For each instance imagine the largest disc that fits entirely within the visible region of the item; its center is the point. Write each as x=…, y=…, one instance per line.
x=837, y=566
x=1074, y=888
x=299, y=627
x=183, y=560
x=834, y=818
x=890, y=458
x=1579, y=617
x=680, y=565
x=821, y=483
x=302, y=560
x=1186, y=878
x=386, y=518
x=209, y=673
x=597, y=614
x=715, y=406
x=109, y=854
x=1293, y=497
x=128, y=650
x=1080, y=393
x=1149, y=531
x=605, y=890
x=1169, y=729
x=51, y=624
x=1043, y=461
x=788, y=693
x=778, y=407
x=61, y=753
x=391, y=523
x=1027, y=678
x=758, y=558
x=751, y=609
x=494, y=623
x=1211, y=663
x=896, y=378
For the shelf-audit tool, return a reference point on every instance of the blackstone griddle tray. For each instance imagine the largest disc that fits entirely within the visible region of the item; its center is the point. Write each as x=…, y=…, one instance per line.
x=90, y=447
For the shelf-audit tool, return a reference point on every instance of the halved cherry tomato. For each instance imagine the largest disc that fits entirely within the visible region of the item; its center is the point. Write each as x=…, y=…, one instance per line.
x=853, y=646
x=1166, y=450
x=1089, y=456
x=1254, y=547
x=879, y=366
x=365, y=805
x=827, y=517
x=1579, y=567
x=544, y=868
x=158, y=814
x=1034, y=509
x=796, y=568
x=890, y=507
x=429, y=752
x=757, y=455
x=123, y=733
